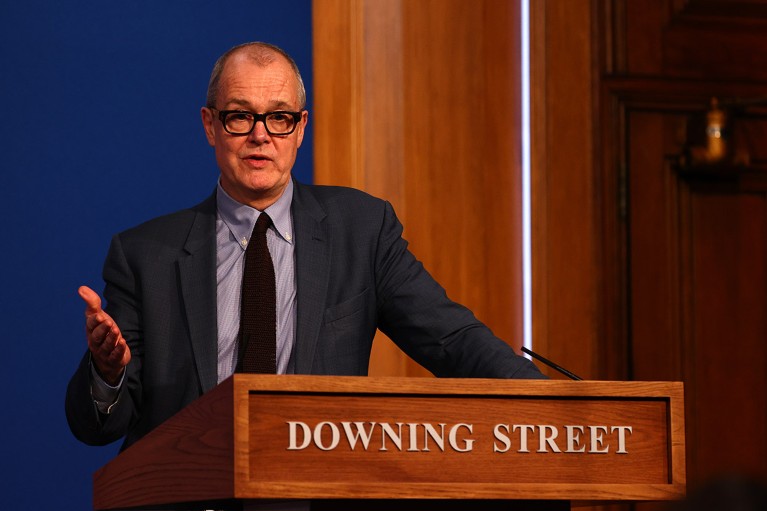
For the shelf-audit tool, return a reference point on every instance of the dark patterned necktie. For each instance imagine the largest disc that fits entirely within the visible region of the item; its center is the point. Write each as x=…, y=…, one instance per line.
x=258, y=309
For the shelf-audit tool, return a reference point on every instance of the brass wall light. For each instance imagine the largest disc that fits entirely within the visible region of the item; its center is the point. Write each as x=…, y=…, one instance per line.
x=717, y=141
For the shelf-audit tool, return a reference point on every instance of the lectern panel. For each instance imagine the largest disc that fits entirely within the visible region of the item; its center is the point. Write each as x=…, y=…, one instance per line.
x=276, y=438
x=359, y=438
x=333, y=438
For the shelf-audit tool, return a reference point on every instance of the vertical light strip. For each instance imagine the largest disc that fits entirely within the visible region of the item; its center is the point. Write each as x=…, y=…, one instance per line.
x=527, y=274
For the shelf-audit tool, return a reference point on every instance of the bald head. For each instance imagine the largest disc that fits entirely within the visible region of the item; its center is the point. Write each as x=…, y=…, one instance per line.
x=262, y=54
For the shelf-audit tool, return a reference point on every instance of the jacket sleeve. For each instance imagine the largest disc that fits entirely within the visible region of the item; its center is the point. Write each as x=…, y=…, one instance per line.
x=441, y=335
x=85, y=421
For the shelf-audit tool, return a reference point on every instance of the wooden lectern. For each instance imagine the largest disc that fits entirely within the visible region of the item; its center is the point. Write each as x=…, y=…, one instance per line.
x=283, y=442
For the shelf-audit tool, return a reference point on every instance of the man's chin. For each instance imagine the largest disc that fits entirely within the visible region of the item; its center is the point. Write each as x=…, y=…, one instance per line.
x=264, y=190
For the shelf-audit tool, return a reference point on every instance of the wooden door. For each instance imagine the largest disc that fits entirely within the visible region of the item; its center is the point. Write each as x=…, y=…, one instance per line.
x=644, y=268
x=694, y=236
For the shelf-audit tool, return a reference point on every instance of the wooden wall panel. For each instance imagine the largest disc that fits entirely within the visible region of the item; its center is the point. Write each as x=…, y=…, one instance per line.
x=654, y=287
x=417, y=103
x=566, y=302
x=698, y=266
x=694, y=238
x=671, y=265
x=729, y=356
x=693, y=39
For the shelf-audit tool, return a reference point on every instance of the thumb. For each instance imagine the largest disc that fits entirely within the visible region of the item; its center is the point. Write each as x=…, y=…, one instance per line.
x=91, y=299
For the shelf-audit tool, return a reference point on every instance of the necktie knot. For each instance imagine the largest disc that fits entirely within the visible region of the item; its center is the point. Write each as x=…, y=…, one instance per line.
x=262, y=223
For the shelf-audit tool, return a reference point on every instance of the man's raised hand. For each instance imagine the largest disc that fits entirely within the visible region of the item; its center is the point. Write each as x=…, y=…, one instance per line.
x=109, y=351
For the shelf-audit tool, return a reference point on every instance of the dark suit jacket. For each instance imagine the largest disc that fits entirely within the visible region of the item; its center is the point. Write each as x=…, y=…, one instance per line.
x=354, y=274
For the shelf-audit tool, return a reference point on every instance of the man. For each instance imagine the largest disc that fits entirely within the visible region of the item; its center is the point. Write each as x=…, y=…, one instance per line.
x=172, y=327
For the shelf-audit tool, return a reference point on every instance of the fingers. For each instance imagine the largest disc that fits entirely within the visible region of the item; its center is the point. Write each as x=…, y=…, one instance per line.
x=99, y=324
x=109, y=350
x=91, y=299
x=117, y=355
x=104, y=337
x=94, y=314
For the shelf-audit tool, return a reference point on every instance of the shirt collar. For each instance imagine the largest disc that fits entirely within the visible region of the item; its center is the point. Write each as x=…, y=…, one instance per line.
x=241, y=218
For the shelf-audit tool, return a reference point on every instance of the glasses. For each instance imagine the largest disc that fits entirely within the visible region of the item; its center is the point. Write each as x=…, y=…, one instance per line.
x=242, y=122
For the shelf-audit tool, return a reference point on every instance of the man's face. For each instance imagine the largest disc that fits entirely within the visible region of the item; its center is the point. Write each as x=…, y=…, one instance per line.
x=255, y=169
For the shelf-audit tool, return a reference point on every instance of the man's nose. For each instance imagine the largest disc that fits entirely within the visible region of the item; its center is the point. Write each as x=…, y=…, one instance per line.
x=259, y=133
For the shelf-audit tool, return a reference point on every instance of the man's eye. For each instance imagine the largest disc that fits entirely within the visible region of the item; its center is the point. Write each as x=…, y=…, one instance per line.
x=240, y=116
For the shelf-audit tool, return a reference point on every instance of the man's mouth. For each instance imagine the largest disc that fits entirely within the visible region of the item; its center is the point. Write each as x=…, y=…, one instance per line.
x=257, y=160
x=257, y=157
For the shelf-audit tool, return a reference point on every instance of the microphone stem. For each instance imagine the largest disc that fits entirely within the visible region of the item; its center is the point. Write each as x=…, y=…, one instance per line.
x=552, y=364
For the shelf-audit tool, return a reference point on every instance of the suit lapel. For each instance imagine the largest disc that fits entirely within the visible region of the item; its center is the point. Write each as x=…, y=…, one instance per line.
x=197, y=270
x=312, y=272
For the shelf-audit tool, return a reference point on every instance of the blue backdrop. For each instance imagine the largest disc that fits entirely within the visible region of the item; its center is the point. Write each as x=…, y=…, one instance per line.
x=100, y=130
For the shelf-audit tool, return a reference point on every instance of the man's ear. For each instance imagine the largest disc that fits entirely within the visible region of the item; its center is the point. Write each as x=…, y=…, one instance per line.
x=207, y=123
x=302, y=126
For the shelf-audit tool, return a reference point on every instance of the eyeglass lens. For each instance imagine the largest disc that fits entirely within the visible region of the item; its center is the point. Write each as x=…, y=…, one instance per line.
x=277, y=123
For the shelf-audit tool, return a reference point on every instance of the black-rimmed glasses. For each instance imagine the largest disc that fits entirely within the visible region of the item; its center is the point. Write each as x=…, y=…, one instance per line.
x=242, y=122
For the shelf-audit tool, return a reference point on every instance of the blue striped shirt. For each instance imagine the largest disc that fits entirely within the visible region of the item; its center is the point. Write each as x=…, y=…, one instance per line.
x=234, y=225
